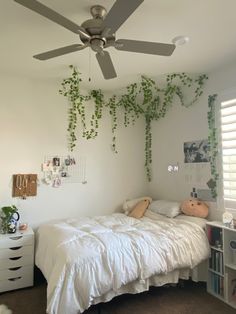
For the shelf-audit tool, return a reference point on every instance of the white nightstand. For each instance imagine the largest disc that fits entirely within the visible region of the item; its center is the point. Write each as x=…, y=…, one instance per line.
x=16, y=260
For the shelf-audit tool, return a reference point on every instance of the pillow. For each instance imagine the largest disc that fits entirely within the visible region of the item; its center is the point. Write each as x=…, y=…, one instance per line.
x=139, y=209
x=167, y=208
x=195, y=207
x=129, y=204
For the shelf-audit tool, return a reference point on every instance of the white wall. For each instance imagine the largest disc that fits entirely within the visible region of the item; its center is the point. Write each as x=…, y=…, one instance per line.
x=181, y=125
x=33, y=122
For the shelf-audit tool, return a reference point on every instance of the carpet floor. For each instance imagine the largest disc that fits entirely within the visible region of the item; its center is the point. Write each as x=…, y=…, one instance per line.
x=190, y=299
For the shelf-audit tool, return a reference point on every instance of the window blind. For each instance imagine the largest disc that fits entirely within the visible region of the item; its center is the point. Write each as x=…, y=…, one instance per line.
x=228, y=141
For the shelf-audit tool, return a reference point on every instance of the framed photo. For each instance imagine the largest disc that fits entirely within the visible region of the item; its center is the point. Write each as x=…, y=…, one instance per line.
x=196, y=151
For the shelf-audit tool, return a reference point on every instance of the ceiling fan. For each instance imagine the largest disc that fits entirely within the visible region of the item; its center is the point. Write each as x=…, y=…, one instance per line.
x=99, y=33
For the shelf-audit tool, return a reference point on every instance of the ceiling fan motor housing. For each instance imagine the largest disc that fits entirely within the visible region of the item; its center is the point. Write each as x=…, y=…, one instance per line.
x=98, y=11
x=94, y=28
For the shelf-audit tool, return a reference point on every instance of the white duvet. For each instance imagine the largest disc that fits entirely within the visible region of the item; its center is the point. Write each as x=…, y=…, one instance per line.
x=85, y=259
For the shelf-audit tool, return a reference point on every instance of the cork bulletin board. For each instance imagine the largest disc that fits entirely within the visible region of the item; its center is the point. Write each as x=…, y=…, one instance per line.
x=24, y=185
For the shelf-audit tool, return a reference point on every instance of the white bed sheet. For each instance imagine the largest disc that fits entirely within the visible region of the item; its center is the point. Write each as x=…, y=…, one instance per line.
x=89, y=260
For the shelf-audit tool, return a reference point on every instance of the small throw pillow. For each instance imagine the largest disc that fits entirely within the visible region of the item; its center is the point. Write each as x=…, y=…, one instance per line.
x=167, y=208
x=139, y=209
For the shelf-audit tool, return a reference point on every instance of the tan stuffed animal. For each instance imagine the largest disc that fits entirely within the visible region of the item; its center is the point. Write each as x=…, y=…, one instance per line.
x=139, y=209
x=194, y=207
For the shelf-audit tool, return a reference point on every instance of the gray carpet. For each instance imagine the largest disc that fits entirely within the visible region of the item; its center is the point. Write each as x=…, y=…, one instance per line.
x=190, y=299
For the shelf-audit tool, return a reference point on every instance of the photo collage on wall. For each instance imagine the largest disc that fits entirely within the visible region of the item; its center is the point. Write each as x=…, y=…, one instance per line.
x=62, y=169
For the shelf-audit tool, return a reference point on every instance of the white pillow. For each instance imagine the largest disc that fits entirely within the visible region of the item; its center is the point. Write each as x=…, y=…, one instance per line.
x=167, y=208
x=129, y=204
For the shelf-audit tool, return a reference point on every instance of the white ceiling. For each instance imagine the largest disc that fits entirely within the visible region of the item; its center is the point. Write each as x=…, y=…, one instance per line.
x=210, y=24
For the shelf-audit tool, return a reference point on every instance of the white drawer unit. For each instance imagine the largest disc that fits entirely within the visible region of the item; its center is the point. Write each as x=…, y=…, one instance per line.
x=16, y=260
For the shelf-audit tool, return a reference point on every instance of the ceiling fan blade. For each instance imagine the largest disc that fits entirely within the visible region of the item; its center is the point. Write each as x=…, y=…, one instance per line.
x=59, y=52
x=119, y=13
x=145, y=47
x=53, y=16
x=106, y=65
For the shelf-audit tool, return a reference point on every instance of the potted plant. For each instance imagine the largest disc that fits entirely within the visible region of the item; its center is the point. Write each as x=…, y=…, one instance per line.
x=9, y=217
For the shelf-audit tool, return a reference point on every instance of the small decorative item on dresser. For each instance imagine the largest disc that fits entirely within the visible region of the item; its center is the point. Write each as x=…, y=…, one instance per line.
x=227, y=219
x=23, y=226
x=9, y=218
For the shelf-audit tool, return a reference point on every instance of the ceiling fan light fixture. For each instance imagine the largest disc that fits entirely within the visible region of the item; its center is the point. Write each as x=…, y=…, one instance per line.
x=180, y=40
x=97, y=44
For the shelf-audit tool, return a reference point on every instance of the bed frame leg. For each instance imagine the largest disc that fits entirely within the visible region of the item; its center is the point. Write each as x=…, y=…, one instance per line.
x=99, y=309
x=181, y=283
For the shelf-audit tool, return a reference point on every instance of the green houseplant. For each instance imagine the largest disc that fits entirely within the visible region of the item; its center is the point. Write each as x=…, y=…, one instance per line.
x=9, y=217
x=145, y=99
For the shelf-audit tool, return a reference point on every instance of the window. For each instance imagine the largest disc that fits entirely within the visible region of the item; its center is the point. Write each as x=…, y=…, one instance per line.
x=228, y=149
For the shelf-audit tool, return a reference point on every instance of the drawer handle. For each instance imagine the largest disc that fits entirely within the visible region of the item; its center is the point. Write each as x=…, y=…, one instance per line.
x=15, y=258
x=14, y=279
x=15, y=268
x=16, y=238
x=15, y=248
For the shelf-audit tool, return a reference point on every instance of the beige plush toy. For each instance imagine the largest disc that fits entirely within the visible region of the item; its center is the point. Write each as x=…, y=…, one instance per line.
x=130, y=204
x=139, y=209
x=194, y=207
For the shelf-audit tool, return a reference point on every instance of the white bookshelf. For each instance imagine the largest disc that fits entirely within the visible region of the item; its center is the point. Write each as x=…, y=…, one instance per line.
x=221, y=279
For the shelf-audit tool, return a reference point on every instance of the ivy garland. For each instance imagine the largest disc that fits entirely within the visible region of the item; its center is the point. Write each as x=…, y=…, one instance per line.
x=212, y=139
x=141, y=99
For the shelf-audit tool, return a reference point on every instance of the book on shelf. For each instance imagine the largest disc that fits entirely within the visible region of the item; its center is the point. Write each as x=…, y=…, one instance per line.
x=209, y=235
x=233, y=283
x=217, y=284
x=222, y=264
x=222, y=286
x=215, y=238
x=216, y=262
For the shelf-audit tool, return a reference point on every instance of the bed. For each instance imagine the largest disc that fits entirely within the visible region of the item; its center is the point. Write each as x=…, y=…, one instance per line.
x=91, y=260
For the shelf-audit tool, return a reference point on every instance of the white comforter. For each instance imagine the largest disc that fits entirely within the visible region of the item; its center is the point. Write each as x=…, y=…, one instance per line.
x=86, y=258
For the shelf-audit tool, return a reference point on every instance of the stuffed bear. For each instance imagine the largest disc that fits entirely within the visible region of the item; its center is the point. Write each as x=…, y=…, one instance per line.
x=194, y=207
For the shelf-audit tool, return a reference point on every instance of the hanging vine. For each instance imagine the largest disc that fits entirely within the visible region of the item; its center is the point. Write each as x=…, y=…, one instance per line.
x=140, y=99
x=212, y=139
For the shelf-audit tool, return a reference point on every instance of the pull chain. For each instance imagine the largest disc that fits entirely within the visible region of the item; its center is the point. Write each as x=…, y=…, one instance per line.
x=89, y=65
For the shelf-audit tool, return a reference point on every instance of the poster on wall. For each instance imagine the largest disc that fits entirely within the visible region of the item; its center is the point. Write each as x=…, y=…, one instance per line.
x=196, y=151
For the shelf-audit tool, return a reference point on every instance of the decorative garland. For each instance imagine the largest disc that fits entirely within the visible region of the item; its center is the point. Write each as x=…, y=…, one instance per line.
x=141, y=99
x=212, y=139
